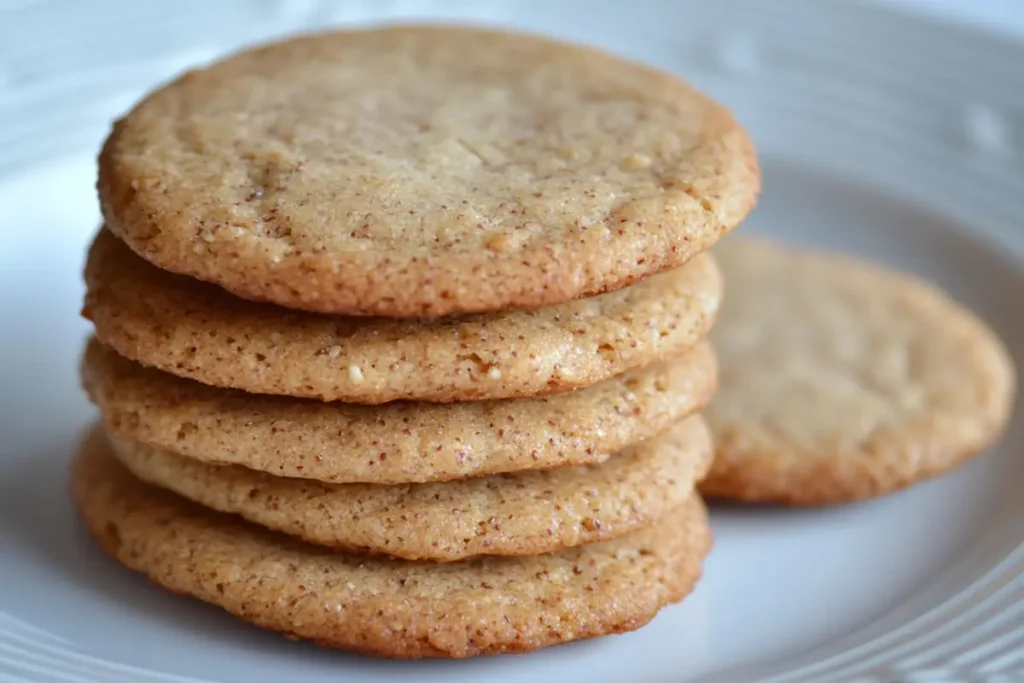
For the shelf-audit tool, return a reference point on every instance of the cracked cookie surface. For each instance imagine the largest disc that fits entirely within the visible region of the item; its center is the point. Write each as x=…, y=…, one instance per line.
x=424, y=171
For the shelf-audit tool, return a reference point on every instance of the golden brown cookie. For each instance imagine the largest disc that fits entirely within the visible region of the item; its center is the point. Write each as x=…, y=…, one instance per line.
x=525, y=513
x=399, y=442
x=390, y=608
x=842, y=380
x=196, y=330
x=424, y=171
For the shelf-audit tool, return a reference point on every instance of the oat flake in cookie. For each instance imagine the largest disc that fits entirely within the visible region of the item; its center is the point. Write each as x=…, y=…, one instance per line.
x=419, y=171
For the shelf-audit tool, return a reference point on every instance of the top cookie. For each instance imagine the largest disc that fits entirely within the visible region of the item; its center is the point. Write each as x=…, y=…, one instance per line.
x=842, y=380
x=420, y=171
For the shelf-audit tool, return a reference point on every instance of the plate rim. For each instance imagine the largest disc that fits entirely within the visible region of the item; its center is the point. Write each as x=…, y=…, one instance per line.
x=1010, y=567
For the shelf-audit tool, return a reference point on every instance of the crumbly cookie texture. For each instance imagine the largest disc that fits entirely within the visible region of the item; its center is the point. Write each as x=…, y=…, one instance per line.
x=842, y=380
x=424, y=171
x=400, y=442
x=196, y=330
x=390, y=608
x=526, y=513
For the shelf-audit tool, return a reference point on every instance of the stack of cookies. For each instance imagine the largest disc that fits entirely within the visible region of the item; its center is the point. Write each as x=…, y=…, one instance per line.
x=400, y=338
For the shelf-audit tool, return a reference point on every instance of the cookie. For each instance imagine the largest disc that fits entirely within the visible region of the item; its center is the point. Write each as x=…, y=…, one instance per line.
x=196, y=330
x=399, y=442
x=525, y=513
x=842, y=380
x=424, y=171
x=384, y=607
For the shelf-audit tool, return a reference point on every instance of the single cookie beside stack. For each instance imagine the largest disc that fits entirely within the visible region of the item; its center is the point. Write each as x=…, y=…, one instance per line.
x=844, y=380
x=400, y=338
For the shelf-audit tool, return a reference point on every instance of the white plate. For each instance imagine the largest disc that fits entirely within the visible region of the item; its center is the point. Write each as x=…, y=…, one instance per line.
x=884, y=134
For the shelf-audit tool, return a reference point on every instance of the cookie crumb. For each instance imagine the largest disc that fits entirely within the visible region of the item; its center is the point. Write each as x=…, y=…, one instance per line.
x=636, y=162
x=498, y=242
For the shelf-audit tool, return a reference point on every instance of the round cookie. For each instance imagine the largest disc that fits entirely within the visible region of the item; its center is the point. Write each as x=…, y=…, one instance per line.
x=525, y=513
x=842, y=380
x=399, y=442
x=424, y=171
x=391, y=608
x=199, y=331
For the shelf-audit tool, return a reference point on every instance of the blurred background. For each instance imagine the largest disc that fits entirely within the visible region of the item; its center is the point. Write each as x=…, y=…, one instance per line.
x=865, y=90
x=68, y=66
